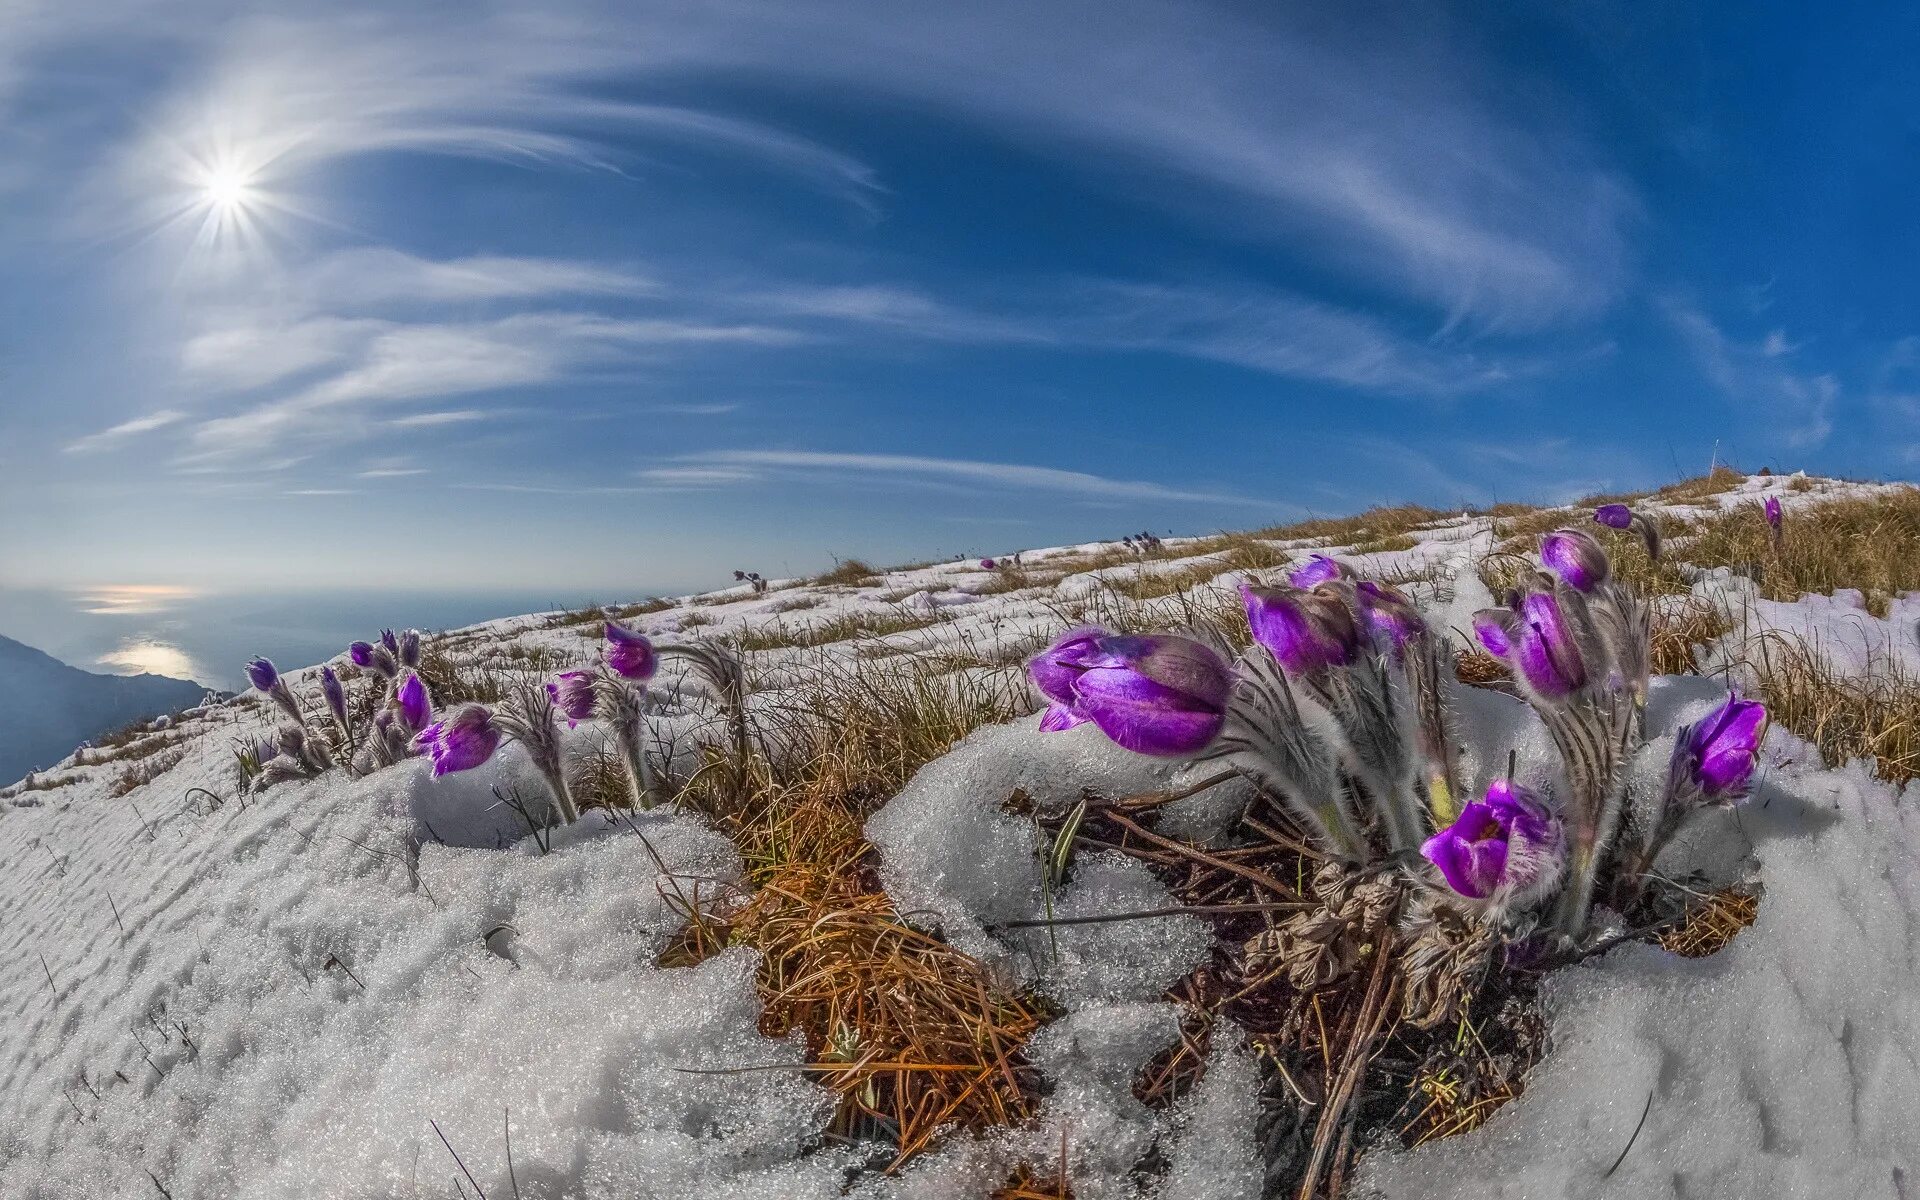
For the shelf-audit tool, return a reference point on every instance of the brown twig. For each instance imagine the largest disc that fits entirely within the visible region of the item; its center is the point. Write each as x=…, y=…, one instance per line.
x=1359, y=1052
x=1198, y=855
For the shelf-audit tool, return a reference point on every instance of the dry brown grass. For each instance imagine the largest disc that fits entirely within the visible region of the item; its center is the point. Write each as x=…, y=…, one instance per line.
x=1713, y=483
x=1711, y=924
x=912, y=1035
x=42, y=783
x=1679, y=629
x=1874, y=714
x=1028, y=1183
x=850, y=572
x=1154, y=585
x=1871, y=543
x=845, y=627
x=1373, y=524
x=146, y=770
x=1386, y=544
x=483, y=680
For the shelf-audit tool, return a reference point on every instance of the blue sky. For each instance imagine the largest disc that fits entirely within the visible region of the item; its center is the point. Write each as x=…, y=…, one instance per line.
x=624, y=297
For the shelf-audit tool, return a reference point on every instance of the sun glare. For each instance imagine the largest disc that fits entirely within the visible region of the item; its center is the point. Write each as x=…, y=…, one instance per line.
x=227, y=189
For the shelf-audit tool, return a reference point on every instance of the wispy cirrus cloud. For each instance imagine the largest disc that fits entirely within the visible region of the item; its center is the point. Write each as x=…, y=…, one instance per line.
x=125, y=431
x=1798, y=404
x=403, y=363
x=739, y=466
x=1263, y=329
x=377, y=275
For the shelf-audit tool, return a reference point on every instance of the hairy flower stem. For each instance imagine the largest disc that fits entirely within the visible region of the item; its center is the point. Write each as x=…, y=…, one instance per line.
x=728, y=683
x=1362, y=703
x=1592, y=739
x=624, y=707
x=527, y=718
x=1423, y=658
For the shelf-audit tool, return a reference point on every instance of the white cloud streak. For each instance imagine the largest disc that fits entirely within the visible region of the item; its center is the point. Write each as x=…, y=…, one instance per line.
x=125, y=431
x=741, y=465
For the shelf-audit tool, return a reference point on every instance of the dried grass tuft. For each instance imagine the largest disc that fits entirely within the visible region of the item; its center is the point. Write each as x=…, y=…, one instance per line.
x=1710, y=925
x=1874, y=714
x=913, y=1035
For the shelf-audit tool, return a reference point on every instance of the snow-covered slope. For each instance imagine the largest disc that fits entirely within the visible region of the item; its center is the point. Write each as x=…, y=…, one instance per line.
x=47, y=707
x=338, y=988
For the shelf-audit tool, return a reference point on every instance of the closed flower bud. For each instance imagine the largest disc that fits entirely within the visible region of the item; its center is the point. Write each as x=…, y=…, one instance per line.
x=261, y=674
x=630, y=654
x=1576, y=557
x=413, y=703
x=1305, y=630
x=1160, y=694
x=465, y=738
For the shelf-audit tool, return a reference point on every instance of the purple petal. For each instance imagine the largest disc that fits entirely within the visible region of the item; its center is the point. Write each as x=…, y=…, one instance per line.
x=1318, y=570
x=1305, y=631
x=1055, y=668
x=1147, y=717
x=630, y=654
x=1546, y=654
x=1471, y=868
x=416, y=706
x=1497, y=630
x=1614, y=516
x=1389, y=613
x=1059, y=717
x=1575, y=557
x=1178, y=663
x=261, y=674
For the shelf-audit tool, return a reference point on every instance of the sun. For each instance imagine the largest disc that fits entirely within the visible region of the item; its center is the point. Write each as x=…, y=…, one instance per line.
x=227, y=189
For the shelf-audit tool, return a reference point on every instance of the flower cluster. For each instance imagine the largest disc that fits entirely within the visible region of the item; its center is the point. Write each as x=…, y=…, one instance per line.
x=1340, y=710
x=751, y=577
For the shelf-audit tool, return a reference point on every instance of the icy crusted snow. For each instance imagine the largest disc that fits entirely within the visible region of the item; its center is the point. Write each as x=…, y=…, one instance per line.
x=1784, y=1066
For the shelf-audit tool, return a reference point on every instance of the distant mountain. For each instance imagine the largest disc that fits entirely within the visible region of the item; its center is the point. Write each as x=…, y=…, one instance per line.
x=47, y=707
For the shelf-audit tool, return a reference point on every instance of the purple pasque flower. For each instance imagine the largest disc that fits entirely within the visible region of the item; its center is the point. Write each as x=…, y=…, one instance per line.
x=572, y=693
x=1389, y=613
x=987, y=564
x=410, y=648
x=1317, y=570
x=361, y=653
x=1771, y=506
x=1535, y=639
x=391, y=642
x=1614, y=516
x=629, y=654
x=1510, y=839
x=460, y=741
x=335, y=694
x=262, y=674
x=1576, y=557
x=414, y=704
x=1157, y=694
x=1718, y=753
x=1619, y=516
x=1546, y=653
x=1306, y=630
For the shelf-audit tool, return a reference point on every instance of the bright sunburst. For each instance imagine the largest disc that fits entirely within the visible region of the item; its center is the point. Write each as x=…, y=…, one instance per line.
x=227, y=189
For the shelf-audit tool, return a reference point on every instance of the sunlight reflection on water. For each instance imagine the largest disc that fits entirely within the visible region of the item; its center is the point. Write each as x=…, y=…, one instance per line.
x=135, y=655
x=132, y=599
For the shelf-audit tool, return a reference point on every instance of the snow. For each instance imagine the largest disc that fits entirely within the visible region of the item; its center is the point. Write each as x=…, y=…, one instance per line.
x=321, y=977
